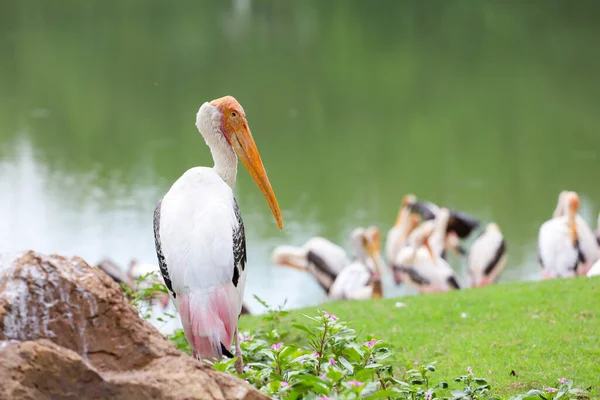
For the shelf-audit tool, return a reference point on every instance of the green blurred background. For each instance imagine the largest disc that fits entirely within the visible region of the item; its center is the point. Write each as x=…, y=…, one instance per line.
x=490, y=107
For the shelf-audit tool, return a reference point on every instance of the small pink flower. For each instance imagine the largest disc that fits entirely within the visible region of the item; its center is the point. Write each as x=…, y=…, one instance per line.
x=284, y=384
x=276, y=346
x=563, y=380
x=316, y=355
x=552, y=390
x=331, y=361
x=427, y=395
x=330, y=316
x=469, y=370
x=354, y=383
x=246, y=339
x=324, y=398
x=370, y=343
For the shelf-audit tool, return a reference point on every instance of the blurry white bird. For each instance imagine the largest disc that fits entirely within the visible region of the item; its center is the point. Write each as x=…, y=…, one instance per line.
x=559, y=251
x=421, y=265
x=361, y=279
x=404, y=225
x=487, y=256
x=588, y=241
x=318, y=256
x=199, y=233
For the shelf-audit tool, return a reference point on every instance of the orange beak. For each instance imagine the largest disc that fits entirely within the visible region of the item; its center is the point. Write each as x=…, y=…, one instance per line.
x=244, y=146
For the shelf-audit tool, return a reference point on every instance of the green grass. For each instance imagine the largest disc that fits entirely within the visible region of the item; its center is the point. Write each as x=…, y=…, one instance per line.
x=540, y=330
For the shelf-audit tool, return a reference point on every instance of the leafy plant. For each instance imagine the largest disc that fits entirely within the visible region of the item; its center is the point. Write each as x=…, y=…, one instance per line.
x=335, y=364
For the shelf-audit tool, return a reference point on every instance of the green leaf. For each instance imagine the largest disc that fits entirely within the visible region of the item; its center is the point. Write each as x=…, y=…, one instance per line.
x=443, y=385
x=480, y=381
x=346, y=365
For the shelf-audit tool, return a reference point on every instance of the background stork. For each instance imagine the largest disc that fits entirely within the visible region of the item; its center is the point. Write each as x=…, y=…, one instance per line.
x=420, y=263
x=587, y=241
x=361, y=279
x=320, y=257
x=559, y=251
x=487, y=256
x=199, y=233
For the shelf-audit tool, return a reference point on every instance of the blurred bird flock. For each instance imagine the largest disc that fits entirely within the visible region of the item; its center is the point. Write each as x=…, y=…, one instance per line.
x=416, y=252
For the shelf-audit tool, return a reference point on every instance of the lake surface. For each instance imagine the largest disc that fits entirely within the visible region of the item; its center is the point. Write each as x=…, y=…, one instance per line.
x=490, y=107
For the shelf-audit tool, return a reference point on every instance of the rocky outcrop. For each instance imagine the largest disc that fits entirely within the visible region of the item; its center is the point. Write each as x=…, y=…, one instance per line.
x=68, y=332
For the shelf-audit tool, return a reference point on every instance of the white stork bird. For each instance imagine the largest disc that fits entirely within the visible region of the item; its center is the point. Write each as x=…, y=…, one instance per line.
x=421, y=265
x=199, y=233
x=321, y=258
x=560, y=253
x=361, y=279
x=587, y=240
x=487, y=256
x=404, y=225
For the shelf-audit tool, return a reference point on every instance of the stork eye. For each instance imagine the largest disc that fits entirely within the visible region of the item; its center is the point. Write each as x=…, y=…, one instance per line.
x=233, y=114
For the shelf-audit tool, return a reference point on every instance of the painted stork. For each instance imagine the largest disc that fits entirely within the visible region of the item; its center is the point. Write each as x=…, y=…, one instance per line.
x=318, y=256
x=361, y=279
x=487, y=256
x=199, y=233
x=587, y=240
x=404, y=225
x=559, y=247
x=420, y=264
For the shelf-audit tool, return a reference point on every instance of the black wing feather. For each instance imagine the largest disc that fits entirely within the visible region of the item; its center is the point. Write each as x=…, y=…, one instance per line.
x=494, y=261
x=239, y=245
x=159, y=254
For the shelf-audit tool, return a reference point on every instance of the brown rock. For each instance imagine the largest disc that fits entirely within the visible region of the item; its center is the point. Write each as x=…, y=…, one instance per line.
x=69, y=333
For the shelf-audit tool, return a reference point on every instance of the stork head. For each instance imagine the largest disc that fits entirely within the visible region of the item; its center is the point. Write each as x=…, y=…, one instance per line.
x=223, y=123
x=409, y=200
x=289, y=256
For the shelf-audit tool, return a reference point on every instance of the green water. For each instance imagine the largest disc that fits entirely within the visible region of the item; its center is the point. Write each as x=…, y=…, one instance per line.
x=490, y=107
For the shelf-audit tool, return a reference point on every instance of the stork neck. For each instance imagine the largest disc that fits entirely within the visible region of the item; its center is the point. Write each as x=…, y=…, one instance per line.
x=225, y=163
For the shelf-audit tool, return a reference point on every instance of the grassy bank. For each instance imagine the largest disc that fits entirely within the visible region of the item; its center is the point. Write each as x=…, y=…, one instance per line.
x=540, y=330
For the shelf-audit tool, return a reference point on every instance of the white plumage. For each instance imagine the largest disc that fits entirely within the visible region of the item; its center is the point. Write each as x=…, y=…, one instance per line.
x=201, y=263
x=557, y=253
x=362, y=278
x=487, y=256
x=420, y=263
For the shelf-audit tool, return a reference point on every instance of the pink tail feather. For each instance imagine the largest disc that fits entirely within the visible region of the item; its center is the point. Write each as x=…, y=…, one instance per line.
x=209, y=319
